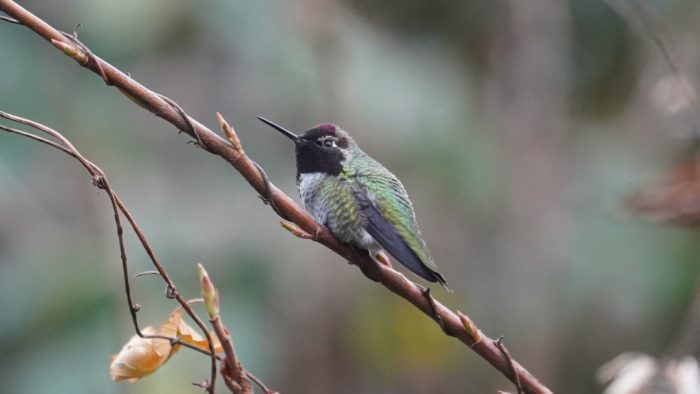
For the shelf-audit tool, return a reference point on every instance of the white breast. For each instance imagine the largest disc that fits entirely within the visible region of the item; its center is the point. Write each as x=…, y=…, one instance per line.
x=308, y=189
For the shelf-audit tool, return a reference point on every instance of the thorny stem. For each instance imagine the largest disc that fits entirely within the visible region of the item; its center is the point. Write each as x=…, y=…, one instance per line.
x=281, y=203
x=171, y=288
x=499, y=343
x=94, y=170
x=231, y=370
x=234, y=370
x=100, y=180
x=93, y=167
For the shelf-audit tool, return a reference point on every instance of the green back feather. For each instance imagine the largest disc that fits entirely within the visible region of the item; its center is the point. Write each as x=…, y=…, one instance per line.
x=391, y=200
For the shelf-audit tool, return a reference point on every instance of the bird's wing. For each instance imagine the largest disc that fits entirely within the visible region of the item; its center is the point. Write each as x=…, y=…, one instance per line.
x=391, y=222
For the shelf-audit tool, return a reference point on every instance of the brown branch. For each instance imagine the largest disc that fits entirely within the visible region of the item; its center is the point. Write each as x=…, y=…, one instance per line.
x=260, y=383
x=231, y=369
x=97, y=172
x=99, y=179
x=506, y=353
x=281, y=203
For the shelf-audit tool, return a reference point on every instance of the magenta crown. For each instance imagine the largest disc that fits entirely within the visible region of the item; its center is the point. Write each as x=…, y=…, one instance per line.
x=326, y=128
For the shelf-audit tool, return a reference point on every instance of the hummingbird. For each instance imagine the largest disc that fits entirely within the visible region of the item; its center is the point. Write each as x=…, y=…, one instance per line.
x=358, y=199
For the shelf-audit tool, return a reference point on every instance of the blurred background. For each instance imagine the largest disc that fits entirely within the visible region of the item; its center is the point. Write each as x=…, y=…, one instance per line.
x=519, y=129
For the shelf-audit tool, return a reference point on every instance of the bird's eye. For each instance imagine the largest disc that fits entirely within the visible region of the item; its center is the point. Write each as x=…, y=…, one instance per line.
x=329, y=143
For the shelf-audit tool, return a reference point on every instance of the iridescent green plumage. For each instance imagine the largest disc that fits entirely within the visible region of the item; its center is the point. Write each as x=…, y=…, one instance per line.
x=359, y=200
x=391, y=199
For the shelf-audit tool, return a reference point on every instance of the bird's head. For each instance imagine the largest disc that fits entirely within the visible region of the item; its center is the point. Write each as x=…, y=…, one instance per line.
x=322, y=148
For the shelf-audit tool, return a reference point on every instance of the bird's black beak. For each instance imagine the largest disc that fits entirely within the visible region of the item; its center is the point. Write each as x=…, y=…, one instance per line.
x=281, y=129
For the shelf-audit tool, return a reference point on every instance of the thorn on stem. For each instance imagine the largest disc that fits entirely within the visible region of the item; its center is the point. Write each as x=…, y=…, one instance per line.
x=511, y=364
x=190, y=129
x=193, y=142
x=433, y=308
x=82, y=54
x=76, y=30
x=98, y=181
x=264, y=200
x=204, y=385
x=171, y=292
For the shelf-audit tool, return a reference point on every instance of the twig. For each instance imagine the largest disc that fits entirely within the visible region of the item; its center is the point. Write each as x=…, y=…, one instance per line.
x=144, y=273
x=283, y=204
x=260, y=383
x=433, y=308
x=231, y=369
x=506, y=353
x=99, y=179
x=173, y=341
x=9, y=20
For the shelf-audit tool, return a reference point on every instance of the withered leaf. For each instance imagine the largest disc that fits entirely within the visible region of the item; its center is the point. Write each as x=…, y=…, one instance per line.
x=142, y=356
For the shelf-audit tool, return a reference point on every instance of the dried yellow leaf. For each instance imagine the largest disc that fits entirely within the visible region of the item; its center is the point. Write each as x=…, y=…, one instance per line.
x=142, y=356
x=191, y=336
